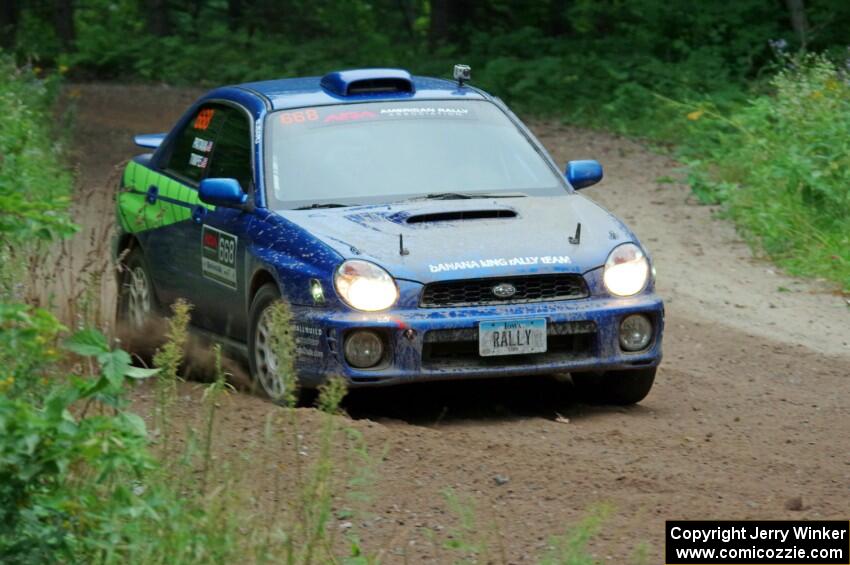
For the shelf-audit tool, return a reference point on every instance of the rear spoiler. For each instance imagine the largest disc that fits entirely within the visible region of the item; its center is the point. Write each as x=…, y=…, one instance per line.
x=149, y=140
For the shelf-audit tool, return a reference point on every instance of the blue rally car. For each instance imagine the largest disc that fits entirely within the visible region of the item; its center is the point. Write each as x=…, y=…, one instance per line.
x=416, y=227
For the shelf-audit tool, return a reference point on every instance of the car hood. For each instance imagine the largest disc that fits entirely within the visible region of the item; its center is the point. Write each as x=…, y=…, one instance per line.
x=476, y=238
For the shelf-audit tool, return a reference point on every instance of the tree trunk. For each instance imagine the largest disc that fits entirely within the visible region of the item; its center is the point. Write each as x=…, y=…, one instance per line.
x=799, y=23
x=9, y=11
x=407, y=15
x=234, y=14
x=63, y=22
x=558, y=17
x=159, y=24
x=438, y=29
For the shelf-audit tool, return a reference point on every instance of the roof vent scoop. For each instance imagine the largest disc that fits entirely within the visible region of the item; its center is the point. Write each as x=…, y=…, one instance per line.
x=368, y=81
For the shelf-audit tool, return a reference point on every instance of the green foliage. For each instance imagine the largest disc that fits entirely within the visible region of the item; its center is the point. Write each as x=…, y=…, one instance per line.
x=331, y=394
x=77, y=481
x=571, y=548
x=282, y=339
x=34, y=185
x=589, y=60
x=466, y=540
x=169, y=359
x=58, y=462
x=781, y=166
x=79, y=484
x=28, y=349
x=170, y=356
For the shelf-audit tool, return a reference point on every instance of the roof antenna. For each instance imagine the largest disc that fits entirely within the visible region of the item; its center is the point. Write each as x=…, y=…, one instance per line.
x=462, y=74
x=576, y=239
x=401, y=249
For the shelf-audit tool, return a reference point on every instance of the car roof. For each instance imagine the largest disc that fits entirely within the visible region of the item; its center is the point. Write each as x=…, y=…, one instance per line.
x=317, y=91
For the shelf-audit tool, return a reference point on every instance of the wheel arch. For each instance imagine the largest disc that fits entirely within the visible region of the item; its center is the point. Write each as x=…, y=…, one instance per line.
x=126, y=243
x=261, y=277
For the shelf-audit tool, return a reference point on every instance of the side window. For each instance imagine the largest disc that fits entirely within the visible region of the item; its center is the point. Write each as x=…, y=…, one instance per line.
x=231, y=154
x=191, y=153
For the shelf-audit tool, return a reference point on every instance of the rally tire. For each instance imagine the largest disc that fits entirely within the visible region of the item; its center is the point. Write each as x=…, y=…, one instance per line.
x=137, y=305
x=621, y=388
x=261, y=360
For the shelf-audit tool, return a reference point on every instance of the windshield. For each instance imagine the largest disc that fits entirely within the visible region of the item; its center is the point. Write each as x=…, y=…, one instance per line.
x=385, y=151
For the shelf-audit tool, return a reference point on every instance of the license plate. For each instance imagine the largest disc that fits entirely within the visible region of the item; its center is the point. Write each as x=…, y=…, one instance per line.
x=511, y=337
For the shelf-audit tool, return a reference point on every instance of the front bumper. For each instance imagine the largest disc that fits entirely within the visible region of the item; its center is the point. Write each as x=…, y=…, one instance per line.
x=437, y=344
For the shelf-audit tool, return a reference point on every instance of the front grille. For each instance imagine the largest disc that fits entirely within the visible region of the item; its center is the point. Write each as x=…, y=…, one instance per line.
x=477, y=292
x=458, y=349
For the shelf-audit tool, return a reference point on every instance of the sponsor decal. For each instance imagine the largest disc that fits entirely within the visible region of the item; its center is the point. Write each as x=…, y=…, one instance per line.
x=203, y=145
x=258, y=132
x=308, y=330
x=299, y=117
x=349, y=116
x=198, y=161
x=204, y=118
x=218, y=256
x=424, y=111
x=306, y=352
x=308, y=341
x=312, y=117
x=500, y=262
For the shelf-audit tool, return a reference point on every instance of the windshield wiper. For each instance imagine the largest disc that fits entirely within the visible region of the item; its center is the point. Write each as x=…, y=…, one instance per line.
x=464, y=196
x=323, y=205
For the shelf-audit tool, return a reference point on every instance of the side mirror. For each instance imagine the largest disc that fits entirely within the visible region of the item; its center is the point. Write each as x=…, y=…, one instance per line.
x=222, y=192
x=149, y=140
x=581, y=174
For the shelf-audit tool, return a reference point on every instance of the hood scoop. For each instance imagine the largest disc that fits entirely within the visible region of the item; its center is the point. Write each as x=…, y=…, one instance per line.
x=460, y=215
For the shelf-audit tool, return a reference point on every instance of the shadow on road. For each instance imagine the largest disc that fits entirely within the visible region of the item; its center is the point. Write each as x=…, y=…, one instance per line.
x=452, y=401
x=438, y=402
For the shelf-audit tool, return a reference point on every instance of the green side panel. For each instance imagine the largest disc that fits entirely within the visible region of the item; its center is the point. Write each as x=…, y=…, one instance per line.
x=132, y=212
x=124, y=202
x=186, y=194
x=181, y=191
x=168, y=187
x=153, y=212
x=136, y=214
x=119, y=210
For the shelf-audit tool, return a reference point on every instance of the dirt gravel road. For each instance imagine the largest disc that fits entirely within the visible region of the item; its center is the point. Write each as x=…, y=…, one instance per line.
x=749, y=410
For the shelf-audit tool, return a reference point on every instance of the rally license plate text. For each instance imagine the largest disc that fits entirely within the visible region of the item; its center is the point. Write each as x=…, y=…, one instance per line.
x=511, y=337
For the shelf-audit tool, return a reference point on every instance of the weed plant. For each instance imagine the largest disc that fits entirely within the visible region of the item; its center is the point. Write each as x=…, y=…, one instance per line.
x=780, y=165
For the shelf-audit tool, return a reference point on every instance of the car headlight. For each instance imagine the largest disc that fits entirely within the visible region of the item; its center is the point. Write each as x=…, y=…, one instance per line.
x=626, y=270
x=365, y=286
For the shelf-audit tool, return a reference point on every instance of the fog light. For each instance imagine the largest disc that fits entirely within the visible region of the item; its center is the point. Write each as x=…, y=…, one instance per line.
x=363, y=349
x=635, y=332
x=317, y=292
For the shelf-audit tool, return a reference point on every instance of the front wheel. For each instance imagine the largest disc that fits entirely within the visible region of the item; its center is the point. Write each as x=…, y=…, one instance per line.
x=262, y=359
x=615, y=387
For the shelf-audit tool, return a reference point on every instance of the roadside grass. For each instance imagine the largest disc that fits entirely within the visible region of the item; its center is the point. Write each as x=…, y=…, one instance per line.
x=45, y=259
x=780, y=166
x=774, y=154
x=85, y=480
x=35, y=185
